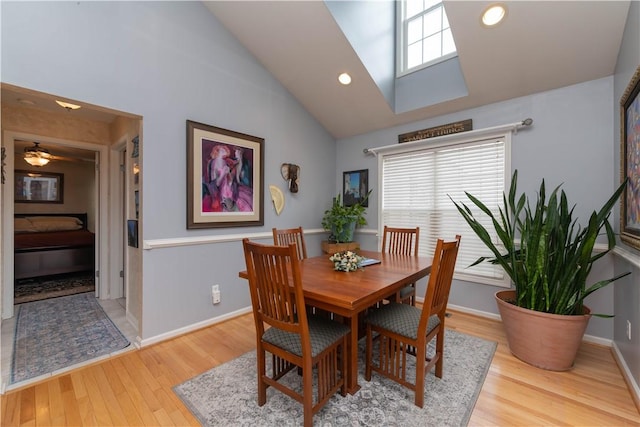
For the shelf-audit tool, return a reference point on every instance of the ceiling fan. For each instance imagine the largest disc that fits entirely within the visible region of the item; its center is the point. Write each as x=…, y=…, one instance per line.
x=38, y=156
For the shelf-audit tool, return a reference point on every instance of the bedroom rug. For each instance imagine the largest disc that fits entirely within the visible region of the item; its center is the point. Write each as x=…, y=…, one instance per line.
x=227, y=394
x=36, y=289
x=56, y=333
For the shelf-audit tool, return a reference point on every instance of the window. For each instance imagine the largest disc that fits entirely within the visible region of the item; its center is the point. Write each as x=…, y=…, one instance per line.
x=424, y=34
x=417, y=184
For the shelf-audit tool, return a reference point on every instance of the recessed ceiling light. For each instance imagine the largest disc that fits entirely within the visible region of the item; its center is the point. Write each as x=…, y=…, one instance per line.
x=67, y=105
x=344, y=78
x=494, y=14
x=26, y=101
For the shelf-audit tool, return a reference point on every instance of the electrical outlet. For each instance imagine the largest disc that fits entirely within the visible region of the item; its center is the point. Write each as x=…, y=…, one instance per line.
x=629, y=330
x=215, y=294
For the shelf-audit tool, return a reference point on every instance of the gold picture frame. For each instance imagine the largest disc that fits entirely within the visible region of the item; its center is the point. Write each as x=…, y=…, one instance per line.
x=630, y=162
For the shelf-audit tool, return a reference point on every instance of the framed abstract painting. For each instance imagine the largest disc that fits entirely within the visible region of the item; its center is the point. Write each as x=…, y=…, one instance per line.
x=630, y=159
x=224, y=178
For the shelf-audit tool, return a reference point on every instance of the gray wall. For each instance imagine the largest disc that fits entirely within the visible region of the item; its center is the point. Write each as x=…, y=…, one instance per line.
x=170, y=62
x=570, y=143
x=627, y=291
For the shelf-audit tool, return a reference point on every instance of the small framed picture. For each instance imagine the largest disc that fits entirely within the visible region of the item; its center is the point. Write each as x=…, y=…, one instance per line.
x=136, y=198
x=132, y=232
x=38, y=187
x=135, y=150
x=355, y=186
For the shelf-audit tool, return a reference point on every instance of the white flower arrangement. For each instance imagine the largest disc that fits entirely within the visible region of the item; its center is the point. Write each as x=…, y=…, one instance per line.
x=346, y=261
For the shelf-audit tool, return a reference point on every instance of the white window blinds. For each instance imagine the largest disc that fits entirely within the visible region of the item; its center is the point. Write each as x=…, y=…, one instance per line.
x=416, y=186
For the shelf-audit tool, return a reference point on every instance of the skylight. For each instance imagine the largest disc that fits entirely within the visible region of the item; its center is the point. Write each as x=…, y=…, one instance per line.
x=425, y=36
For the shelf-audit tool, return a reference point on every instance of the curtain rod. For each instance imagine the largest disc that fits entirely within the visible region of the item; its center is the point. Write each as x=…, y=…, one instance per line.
x=513, y=127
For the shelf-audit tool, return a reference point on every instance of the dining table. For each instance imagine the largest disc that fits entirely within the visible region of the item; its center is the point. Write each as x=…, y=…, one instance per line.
x=349, y=294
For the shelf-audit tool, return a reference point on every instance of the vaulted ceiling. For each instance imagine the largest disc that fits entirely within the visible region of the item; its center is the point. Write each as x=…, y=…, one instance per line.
x=542, y=45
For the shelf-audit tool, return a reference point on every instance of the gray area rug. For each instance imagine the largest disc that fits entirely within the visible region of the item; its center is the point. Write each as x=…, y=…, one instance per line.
x=56, y=333
x=227, y=394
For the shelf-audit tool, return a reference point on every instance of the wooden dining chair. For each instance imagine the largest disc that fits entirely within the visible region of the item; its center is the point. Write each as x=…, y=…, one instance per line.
x=285, y=236
x=402, y=329
x=293, y=338
x=402, y=241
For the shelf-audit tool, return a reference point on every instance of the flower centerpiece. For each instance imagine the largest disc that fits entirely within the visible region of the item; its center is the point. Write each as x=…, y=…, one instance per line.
x=346, y=261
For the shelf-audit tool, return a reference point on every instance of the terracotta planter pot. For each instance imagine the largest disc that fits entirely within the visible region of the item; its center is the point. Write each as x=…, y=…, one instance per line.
x=547, y=341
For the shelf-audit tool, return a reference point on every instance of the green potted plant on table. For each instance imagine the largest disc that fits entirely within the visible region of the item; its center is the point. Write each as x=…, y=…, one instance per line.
x=341, y=221
x=548, y=257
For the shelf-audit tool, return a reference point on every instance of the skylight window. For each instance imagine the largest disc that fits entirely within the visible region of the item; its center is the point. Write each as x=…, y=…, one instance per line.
x=424, y=34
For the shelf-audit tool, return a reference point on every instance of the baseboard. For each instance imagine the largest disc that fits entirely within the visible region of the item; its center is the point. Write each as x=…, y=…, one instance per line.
x=193, y=327
x=468, y=310
x=628, y=377
x=597, y=340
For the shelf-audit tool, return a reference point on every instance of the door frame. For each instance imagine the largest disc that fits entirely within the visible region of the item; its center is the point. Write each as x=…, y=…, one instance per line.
x=101, y=222
x=117, y=180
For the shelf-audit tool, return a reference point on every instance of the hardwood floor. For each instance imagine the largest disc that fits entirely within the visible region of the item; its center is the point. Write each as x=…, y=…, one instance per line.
x=136, y=387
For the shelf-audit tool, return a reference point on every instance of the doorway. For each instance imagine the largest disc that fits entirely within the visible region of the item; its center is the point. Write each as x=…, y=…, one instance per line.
x=106, y=206
x=96, y=222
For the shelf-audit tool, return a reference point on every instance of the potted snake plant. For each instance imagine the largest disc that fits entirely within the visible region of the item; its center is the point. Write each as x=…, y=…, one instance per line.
x=548, y=257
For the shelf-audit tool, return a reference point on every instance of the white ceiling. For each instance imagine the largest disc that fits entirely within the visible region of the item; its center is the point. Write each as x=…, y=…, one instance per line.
x=542, y=45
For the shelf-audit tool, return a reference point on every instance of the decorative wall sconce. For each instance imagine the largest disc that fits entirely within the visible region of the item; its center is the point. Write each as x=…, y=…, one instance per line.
x=291, y=174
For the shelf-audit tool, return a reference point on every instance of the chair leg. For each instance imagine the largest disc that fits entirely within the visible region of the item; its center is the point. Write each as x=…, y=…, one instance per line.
x=440, y=352
x=343, y=365
x=369, y=355
x=307, y=395
x=262, y=387
x=419, y=391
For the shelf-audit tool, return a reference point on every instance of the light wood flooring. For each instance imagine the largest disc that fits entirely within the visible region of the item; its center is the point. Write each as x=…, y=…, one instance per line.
x=135, y=388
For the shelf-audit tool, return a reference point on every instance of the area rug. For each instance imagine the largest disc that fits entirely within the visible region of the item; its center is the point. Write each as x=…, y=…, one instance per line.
x=39, y=288
x=56, y=333
x=227, y=394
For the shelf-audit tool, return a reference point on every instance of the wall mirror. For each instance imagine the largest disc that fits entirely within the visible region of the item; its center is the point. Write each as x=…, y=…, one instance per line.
x=38, y=187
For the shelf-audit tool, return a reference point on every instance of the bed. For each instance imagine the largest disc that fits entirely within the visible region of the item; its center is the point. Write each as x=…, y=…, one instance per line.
x=48, y=244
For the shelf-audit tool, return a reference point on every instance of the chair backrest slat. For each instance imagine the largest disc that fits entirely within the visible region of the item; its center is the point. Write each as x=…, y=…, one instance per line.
x=275, y=287
x=400, y=241
x=286, y=236
x=439, y=286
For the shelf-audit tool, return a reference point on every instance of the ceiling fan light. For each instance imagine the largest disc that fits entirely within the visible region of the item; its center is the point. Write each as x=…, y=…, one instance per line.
x=36, y=155
x=36, y=161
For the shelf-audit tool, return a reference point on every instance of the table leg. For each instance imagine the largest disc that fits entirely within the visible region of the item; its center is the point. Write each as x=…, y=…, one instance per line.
x=352, y=354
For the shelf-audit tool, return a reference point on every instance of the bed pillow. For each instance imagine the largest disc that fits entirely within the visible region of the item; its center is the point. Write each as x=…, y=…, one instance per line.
x=55, y=223
x=23, y=225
